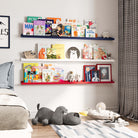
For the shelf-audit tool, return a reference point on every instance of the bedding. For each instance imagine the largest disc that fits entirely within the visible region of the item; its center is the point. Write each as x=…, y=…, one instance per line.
x=13, y=111
x=7, y=75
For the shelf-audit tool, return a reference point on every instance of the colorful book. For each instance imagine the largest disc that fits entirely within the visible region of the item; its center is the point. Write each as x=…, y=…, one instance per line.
x=28, y=73
x=42, y=49
x=56, y=20
x=58, y=74
x=47, y=75
x=48, y=27
x=74, y=32
x=60, y=50
x=51, y=53
x=28, y=29
x=31, y=19
x=66, y=30
x=39, y=27
x=54, y=30
x=89, y=33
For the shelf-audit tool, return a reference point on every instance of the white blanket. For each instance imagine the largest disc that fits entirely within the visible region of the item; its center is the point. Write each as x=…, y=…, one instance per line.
x=9, y=97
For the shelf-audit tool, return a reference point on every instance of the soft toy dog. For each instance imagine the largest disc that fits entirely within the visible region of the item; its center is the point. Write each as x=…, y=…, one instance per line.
x=60, y=116
x=47, y=116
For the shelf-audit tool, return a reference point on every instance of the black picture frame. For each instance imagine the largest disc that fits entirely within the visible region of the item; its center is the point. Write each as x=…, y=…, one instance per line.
x=4, y=32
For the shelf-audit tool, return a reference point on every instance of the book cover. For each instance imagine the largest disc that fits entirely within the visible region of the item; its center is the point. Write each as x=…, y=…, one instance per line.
x=48, y=27
x=28, y=28
x=60, y=50
x=74, y=32
x=31, y=19
x=58, y=74
x=27, y=67
x=51, y=53
x=89, y=33
x=42, y=49
x=47, y=75
x=39, y=28
x=66, y=30
x=54, y=30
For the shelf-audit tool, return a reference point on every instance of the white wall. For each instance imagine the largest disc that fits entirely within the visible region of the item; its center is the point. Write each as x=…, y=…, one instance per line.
x=74, y=97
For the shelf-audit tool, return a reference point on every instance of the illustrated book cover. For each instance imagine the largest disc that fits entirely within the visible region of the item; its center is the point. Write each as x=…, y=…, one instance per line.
x=39, y=28
x=28, y=28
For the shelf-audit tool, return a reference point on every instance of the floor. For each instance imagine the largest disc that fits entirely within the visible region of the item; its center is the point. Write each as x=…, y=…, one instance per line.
x=40, y=131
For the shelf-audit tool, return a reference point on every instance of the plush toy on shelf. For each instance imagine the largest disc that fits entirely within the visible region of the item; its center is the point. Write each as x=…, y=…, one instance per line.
x=60, y=116
x=29, y=54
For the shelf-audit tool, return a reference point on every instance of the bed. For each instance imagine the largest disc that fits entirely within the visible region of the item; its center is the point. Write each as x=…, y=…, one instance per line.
x=14, y=113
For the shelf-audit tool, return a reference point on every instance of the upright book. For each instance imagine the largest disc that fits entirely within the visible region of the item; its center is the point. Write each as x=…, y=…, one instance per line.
x=28, y=28
x=31, y=19
x=42, y=51
x=39, y=28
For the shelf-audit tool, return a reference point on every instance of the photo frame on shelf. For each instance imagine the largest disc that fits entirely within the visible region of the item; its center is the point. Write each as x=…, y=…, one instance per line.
x=4, y=31
x=95, y=76
x=105, y=72
x=87, y=72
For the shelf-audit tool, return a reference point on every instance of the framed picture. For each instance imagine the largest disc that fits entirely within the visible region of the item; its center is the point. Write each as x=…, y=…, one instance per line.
x=106, y=72
x=4, y=31
x=87, y=73
x=95, y=76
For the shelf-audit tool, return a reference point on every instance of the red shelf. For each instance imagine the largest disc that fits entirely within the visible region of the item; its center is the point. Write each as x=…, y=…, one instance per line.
x=63, y=82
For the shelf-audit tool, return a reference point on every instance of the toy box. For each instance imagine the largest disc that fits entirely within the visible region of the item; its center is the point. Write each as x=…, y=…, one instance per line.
x=28, y=28
x=31, y=19
x=39, y=27
x=51, y=53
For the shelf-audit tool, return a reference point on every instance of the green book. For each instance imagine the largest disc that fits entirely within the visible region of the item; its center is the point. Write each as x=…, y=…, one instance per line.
x=30, y=19
x=51, y=53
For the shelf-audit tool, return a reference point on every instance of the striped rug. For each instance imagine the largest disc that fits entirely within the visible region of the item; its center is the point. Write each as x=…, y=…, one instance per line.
x=93, y=129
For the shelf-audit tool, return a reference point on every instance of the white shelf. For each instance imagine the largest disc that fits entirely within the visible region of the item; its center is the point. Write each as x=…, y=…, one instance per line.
x=66, y=60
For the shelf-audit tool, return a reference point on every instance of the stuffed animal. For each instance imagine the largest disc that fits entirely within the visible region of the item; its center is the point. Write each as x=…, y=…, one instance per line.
x=29, y=54
x=47, y=116
x=70, y=76
x=71, y=119
x=59, y=117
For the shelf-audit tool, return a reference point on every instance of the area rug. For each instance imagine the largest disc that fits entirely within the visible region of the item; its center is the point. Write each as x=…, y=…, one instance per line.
x=93, y=129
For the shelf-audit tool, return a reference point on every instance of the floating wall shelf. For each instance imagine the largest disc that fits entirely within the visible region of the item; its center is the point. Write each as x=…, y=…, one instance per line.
x=65, y=82
x=65, y=37
x=66, y=60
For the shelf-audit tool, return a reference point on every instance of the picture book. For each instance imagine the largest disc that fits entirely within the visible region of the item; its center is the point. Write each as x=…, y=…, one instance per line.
x=100, y=53
x=47, y=75
x=58, y=74
x=31, y=19
x=28, y=28
x=56, y=20
x=28, y=73
x=42, y=48
x=48, y=27
x=81, y=30
x=89, y=33
x=74, y=32
x=54, y=30
x=51, y=53
x=66, y=30
x=60, y=50
x=39, y=27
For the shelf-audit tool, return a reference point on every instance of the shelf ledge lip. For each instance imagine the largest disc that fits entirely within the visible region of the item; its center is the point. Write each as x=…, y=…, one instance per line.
x=64, y=60
x=65, y=82
x=65, y=37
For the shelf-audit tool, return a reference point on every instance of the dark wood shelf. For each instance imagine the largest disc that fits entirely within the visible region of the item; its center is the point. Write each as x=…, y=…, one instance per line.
x=65, y=37
x=65, y=82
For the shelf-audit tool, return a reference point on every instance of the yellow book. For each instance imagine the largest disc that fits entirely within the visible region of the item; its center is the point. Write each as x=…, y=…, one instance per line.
x=60, y=51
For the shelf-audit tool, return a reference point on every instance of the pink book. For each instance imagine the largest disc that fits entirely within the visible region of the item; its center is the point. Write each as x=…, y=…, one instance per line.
x=39, y=27
x=28, y=29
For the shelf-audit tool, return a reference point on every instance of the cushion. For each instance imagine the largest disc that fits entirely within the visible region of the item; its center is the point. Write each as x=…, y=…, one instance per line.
x=7, y=75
